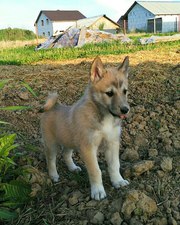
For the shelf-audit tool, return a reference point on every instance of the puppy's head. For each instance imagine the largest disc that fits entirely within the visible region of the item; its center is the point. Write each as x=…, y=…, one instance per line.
x=110, y=87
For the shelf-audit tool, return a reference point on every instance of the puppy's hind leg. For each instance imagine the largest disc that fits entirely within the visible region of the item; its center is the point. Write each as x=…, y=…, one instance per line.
x=67, y=154
x=51, y=152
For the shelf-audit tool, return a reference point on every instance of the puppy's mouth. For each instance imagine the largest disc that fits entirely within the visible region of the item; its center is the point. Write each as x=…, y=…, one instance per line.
x=121, y=116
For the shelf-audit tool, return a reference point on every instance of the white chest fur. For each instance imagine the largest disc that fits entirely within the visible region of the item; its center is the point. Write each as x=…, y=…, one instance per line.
x=111, y=128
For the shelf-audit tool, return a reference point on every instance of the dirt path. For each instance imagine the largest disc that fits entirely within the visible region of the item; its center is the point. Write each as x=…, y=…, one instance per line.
x=149, y=148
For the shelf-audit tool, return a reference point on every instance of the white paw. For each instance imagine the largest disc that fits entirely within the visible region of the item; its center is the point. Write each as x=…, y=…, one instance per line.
x=55, y=178
x=120, y=183
x=98, y=192
x=75, y=168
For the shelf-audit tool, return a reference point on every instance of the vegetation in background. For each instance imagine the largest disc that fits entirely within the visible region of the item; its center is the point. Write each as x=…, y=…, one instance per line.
x=28, y=55
x=101, y=26
x=13, y=34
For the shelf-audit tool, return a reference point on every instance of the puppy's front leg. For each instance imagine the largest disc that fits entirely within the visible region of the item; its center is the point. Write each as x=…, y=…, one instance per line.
x=89, y=155
x=112, y=158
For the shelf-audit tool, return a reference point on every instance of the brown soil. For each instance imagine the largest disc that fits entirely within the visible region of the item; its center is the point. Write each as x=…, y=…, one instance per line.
x=149, y=147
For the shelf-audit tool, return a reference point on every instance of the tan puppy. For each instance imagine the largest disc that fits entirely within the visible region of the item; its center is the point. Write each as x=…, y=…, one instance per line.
x=96, y=117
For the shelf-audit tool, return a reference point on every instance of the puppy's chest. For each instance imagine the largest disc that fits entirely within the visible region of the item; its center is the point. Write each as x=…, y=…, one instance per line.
x=111, y=128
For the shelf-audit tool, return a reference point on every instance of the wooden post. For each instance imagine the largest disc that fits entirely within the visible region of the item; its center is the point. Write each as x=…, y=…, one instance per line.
x=124, y=27
x=37, y=40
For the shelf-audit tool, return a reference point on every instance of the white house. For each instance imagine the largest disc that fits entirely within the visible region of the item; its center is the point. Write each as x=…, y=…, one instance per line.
x=48, y=22
x=154, y=16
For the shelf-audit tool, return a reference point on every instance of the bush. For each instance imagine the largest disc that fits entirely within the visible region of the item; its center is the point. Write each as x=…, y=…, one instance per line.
x=10, y=34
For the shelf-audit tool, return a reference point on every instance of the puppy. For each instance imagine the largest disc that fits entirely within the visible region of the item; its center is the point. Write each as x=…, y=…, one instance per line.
x=96, y=117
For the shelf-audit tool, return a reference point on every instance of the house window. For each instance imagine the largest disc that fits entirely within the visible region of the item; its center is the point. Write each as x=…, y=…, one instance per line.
x=47, y=21
x=44, y=34
x=42, y=22
x=49, y=33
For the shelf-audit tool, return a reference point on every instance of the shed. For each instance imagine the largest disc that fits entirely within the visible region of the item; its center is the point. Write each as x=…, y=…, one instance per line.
x=101, y=22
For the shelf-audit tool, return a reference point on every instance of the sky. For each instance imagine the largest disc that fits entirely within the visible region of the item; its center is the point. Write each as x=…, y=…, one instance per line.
x=23, y=13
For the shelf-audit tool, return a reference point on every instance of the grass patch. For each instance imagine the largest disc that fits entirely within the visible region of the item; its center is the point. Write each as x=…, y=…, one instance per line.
x=28, y=55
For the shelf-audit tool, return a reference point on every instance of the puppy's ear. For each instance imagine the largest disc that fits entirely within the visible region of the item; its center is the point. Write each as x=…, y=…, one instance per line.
x=96, y=70
x=124, y=67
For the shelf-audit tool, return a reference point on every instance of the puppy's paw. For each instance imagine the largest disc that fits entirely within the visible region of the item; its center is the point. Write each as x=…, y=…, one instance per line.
x=98, y=192
x=120, y=183
x=75, y=169
x=55, y=178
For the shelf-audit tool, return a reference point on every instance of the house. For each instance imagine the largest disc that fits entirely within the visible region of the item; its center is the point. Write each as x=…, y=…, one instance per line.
x=48, y=22
x=154, y=16
x=101, y=22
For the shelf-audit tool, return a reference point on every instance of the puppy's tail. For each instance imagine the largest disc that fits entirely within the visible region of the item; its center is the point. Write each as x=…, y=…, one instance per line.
x=51, y=101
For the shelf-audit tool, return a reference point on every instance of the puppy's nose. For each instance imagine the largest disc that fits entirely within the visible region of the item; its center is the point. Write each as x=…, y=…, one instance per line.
x=124, y=110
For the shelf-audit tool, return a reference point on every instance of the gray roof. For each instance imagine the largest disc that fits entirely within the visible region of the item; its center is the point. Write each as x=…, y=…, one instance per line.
x=87, y=22
x=161, y=7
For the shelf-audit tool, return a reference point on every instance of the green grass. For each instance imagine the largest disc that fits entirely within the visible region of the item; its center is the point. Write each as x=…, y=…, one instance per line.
x=28, y=55
x=137, y=36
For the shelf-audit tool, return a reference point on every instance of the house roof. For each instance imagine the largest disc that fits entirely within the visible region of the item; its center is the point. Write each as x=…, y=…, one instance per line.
x=162, y=8
x=157, y=7
x=61, y=15
x=87, y=22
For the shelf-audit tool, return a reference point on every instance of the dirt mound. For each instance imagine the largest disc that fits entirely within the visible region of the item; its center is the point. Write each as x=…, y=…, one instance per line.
x=149, y=148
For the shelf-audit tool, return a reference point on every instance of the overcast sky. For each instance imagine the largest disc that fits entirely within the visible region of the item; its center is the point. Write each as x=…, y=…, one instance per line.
x=23, y=13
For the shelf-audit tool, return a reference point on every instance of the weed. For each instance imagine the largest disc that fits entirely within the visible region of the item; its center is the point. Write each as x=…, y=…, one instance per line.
x=13, y=192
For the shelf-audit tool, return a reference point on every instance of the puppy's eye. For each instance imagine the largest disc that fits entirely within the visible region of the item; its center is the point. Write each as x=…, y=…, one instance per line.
x=125, y=91
x=109, y=93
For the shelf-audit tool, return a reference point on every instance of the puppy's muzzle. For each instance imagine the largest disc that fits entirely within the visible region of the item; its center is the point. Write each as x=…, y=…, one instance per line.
x=124, y=110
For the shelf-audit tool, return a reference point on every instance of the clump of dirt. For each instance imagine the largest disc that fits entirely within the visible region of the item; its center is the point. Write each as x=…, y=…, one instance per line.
x=149, y=145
